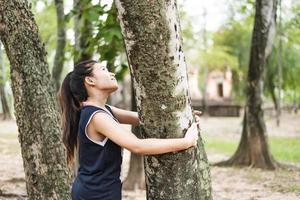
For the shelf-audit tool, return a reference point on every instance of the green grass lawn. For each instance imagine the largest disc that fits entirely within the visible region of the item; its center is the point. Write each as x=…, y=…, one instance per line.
x=283, y=149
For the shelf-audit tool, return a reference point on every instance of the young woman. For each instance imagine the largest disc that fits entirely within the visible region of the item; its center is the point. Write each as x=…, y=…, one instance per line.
x=92, y=127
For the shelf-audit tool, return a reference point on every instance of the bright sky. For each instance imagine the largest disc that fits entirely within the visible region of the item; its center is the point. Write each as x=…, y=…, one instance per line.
x=216, y=11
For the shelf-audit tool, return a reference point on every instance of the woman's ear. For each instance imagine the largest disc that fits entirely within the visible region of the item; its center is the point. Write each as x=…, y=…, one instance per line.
x=89, y=80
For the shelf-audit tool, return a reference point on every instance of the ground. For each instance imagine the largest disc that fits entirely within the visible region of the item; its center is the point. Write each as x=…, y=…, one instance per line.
x=228, y=183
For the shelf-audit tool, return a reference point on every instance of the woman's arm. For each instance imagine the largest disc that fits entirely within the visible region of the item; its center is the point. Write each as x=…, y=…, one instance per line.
x=105, y=125
x=125, y=116
x=130, y=117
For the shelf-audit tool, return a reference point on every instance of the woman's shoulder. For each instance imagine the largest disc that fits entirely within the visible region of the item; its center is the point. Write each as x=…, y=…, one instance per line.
x=87, y=112
x=90, y=110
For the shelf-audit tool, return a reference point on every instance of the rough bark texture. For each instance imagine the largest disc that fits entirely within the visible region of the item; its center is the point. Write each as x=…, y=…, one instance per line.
x=154, y=48
x=83, y=31
x=37, y=114
x=5, y=106
x=60, y=44
x=253, y=149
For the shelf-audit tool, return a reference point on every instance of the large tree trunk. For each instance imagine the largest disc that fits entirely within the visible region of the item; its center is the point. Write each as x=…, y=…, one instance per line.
x=253, y=149
x=153, y=43
x=83, y=31
x=60, y=44
x=37, y=114
x=4, y=102
x=135, y=178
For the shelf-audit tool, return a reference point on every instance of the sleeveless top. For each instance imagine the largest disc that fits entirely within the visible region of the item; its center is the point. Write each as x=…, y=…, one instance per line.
x=99, y=170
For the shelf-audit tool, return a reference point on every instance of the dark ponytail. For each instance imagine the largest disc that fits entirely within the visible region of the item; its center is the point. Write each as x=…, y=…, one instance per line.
x=72, y=94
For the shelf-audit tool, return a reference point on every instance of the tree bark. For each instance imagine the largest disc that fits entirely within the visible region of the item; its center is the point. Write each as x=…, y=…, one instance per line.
x=153, y=43
x=60, y=44
x=253, y=149
x=5, y=106
x=83, y=31
x=37, y=114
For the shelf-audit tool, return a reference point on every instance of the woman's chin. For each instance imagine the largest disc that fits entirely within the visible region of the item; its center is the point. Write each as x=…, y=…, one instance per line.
x=114, y=88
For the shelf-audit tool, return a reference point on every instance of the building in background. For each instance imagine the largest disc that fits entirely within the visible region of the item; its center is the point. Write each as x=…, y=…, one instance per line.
x=217, y=98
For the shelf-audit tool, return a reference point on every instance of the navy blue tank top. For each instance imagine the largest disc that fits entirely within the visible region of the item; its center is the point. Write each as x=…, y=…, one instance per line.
x=98, y=176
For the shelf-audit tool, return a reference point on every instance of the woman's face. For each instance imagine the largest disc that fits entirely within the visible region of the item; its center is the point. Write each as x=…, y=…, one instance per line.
x=103, y=79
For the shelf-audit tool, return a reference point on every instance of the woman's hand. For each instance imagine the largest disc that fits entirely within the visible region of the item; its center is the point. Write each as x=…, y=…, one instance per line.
x=191, y=136
x=197, y=114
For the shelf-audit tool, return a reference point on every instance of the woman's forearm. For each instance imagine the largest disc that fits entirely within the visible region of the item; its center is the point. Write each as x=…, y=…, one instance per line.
x=136, y=120
x=154, y=146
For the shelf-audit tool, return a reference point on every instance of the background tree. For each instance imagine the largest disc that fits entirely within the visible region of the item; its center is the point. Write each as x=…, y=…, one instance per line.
x=37, y=115
x=60, y=43
x=253, y=149
x=233, y=41
x=47, y=28
x=83, y=30
x=290, y=39
x=3, y=96
x=152, y=37
x=135, y=178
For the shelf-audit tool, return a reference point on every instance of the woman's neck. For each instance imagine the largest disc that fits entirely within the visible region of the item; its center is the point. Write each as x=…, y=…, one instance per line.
x=99, y=101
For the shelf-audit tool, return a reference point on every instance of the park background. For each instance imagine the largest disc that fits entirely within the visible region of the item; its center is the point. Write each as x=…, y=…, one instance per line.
x=216, y=43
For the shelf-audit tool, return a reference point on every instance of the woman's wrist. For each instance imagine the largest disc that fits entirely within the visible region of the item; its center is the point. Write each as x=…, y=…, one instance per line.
x=187, y=143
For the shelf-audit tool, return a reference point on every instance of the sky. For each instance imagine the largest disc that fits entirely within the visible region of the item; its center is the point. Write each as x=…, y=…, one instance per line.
x=216, y=11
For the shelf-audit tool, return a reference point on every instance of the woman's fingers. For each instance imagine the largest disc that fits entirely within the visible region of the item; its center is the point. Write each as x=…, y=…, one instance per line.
x=198, y=125
x=197, y=112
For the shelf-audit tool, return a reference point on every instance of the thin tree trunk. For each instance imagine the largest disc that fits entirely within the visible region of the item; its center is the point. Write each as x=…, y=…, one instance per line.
x=37, y=114
x=253, y=149
x=154, y=48
x=270, y=83
x=135, y=178
x=4, y=102
x=273, y=95
x=83, y=31
x=61, y=43
x=204, y=100
x=278, y=113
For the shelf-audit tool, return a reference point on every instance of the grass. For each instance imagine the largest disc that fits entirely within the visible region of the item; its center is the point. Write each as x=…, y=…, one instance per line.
x=283, y=149
x=219, y=145
x=286, y=149
x=294, y=188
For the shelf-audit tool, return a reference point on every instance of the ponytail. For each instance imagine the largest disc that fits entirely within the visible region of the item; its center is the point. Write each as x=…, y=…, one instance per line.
x=70, y=109
x=72, y=93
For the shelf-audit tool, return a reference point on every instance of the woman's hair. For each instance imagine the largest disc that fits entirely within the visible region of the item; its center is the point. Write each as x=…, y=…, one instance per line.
x=72, y=93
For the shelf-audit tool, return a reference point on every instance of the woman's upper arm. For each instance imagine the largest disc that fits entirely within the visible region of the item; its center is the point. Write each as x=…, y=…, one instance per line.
x=125, y=116
x=104, y=124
